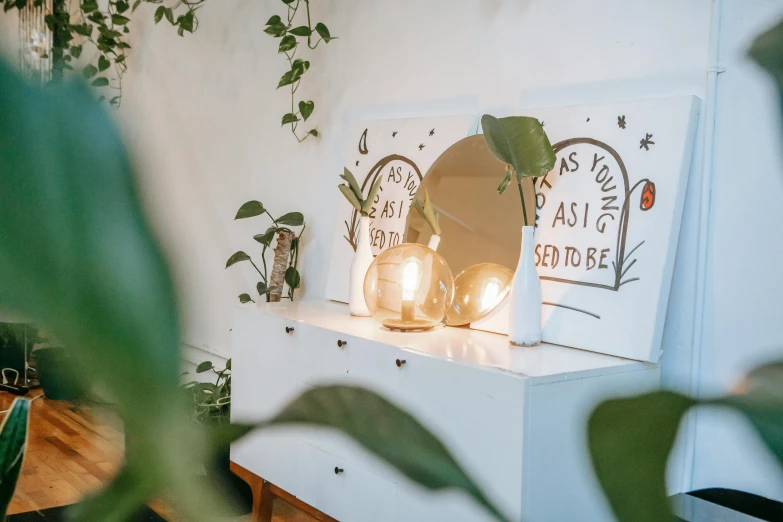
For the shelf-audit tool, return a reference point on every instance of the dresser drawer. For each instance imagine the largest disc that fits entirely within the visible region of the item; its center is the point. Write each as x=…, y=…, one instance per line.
x=342, y=490
x=322, y=355
x=478, y=414
x=264, y=380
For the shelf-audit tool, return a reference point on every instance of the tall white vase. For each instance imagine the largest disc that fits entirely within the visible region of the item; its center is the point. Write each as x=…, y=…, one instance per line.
x=434, y=242
x=524, y=321
x=362, y=259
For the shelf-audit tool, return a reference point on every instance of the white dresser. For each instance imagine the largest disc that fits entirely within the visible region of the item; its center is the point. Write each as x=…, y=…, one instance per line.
x=514, y=418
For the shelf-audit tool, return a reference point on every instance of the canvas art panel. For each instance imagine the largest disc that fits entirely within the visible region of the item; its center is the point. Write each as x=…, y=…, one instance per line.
x=401, y=151
x=608, y=223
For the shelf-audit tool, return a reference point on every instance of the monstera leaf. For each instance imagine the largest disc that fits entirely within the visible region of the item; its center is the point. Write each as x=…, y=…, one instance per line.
x=521, y=142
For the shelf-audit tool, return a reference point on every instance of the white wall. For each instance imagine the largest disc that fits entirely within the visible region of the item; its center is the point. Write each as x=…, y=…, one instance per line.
x=203, y=114
x=743, y=313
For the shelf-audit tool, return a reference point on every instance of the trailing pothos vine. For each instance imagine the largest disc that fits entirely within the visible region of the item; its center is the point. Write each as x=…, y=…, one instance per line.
x=100, y=34
x=290, y=40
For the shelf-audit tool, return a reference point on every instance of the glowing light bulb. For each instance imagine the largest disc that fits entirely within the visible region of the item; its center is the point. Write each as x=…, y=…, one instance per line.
x=411, y=277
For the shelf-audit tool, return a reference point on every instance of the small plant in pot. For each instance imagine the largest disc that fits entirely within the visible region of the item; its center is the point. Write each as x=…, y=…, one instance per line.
x=521, y=143
x=432, y=218
x=210, y=409
x=363, y=257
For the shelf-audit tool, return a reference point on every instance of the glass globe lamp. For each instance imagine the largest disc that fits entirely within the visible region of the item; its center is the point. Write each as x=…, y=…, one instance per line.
x=409, y=287
x=478, y=290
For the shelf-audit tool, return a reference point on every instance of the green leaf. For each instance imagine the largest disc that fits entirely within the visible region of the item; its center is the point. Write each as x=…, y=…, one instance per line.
x=323, y=32
x=348, y=176
x=313, y=132
x=237, y=258
x=289, y=118
x=159, y=12
x=103, y=63
x=630, y=441
x=389, y=433
x=267, y=237
x=262, y=289
x=186, y=21
x=228, y=364
x=88, y=6
x=250, y=209
x=306, y=109
x=90, y=271
x=121, y=6
x=521, y=142
x=76, y=51
x=274, y=20
x=302, y=30
x=300, y=66
x=277, y=30
x=136, y=4
x=767, y=51
x=761, y=401
x=100, y=82
x=169, y=14
x=287, y=43
x=351, y=197
x=245, y=298
x=288, y=2
x=370, y=201
x=89, y=71
x=205, y=366
x=118, y=19
x=293, y=219
x=506, y=181
x=292, y=277
x=287, y=79
x=13, y=444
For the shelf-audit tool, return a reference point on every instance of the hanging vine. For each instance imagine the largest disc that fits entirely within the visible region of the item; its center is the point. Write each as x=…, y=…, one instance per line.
x=87, y=28
x=291, y=38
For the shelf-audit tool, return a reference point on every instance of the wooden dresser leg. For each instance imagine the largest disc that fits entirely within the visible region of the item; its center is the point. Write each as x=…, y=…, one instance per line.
x=262, y=510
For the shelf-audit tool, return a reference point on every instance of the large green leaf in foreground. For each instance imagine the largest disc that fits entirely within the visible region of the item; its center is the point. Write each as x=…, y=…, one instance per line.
x=77, y=257
x=388, y=432
x=13, y=444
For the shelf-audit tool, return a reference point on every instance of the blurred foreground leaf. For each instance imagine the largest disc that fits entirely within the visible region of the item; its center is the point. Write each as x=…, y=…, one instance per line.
x=388, y=432
x=630, y=440
x=78, y=258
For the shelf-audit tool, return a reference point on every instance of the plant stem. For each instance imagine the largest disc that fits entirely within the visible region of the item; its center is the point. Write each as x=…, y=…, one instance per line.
x=522, y=197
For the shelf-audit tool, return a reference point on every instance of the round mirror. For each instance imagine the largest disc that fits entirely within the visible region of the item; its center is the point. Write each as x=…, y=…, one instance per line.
x=478, y=225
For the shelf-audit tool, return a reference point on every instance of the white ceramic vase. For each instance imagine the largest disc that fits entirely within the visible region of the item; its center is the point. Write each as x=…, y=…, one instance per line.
x=362, y=259
x=434, y=242
x=524, y=321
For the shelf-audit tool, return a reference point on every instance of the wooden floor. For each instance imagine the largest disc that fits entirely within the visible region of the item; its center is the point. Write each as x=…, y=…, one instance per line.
x=75, y=450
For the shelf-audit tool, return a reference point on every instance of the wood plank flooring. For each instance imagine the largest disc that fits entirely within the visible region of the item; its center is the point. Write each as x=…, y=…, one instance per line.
x=75, y=450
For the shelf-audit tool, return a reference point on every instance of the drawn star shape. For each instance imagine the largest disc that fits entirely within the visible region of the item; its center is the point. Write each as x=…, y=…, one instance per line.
x=421, y=147
x=646, y=142
x=432, y=132
x=357, y=163
x=394, y=134
x=621, y=121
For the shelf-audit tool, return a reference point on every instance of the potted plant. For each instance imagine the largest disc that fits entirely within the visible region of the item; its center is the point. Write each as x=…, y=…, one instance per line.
x=210, y=406
x=521, y=143
x=431, y=217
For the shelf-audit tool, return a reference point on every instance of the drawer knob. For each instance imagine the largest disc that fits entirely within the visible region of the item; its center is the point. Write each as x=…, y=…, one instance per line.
x=400, y=363
x=288, y=329
x=341, y=343
x=337, y=470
